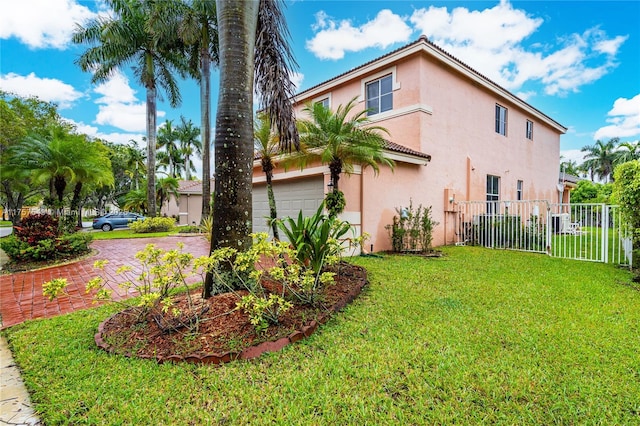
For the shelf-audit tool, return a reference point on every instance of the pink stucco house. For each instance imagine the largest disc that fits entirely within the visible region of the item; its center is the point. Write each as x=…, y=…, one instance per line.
x=455, y=135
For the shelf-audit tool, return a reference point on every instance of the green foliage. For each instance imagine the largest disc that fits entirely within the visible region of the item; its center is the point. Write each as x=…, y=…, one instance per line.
x=189, y=230
x=627, y=194
x=314, y=238
x=335, y=202
x=153, y=224
x=591, y=192
x=163, y=274
x=263, y=311
x=279, y=262
x=412, y=229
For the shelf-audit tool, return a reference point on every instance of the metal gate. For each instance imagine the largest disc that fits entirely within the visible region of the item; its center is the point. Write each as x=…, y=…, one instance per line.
x=590, y=232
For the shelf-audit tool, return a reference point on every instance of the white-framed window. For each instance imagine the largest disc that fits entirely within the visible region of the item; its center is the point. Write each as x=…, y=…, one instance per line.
x=324, y=102
x=379, y=95
x=529, y=130
x=501, y=120
x=493, y=193
x=519, y=190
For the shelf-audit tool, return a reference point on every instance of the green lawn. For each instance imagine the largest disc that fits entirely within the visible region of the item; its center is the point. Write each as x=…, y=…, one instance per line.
x=477, y=336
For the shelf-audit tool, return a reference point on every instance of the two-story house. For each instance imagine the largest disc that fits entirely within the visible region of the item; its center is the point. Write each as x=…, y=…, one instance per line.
x=454, y=134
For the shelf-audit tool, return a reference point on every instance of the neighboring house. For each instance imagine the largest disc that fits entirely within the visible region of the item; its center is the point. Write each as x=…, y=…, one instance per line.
x=188, y=208
x=455, y=136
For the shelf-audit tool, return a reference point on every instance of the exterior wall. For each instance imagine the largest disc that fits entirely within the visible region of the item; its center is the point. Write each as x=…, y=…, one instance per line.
x=439, y=111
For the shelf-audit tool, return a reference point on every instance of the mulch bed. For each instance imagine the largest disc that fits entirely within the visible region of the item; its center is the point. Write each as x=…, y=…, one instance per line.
x=223, y=333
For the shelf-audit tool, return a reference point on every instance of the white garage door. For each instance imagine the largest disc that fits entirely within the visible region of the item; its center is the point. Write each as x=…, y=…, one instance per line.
x=291, y=197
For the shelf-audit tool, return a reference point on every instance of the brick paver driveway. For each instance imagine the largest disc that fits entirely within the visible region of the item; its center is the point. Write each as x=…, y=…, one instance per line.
x=21, y=293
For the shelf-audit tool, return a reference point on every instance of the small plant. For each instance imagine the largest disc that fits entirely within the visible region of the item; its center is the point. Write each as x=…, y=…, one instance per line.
x=153, y=224
x=315, y=238
x=264, y=311
x=164, y=273
x=412, y=229
x=335, y=203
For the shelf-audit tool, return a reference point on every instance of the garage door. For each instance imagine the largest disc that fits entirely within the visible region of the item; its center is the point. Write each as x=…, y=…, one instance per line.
x=291, y=197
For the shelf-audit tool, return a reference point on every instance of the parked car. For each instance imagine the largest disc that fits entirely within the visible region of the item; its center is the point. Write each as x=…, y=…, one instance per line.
x=115, y=220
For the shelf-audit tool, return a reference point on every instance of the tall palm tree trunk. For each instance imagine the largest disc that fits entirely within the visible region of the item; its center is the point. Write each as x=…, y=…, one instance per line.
x=205, y=111
x=151, y=151
x=232, y=210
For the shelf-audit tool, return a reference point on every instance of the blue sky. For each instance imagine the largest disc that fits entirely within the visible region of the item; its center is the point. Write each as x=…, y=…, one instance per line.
x=577, y=61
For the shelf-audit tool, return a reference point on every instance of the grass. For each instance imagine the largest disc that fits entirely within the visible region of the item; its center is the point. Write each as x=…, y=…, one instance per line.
x=127, y=233
x=477, y=336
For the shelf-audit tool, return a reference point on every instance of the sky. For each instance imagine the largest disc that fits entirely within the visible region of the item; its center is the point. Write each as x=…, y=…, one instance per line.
x=576, y=61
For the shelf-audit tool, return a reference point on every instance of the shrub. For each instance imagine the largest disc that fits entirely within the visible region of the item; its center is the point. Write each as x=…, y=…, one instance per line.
x=153, y=224
x=189, y=230
x=315, y=238
x=37, y=227
x=412, y=230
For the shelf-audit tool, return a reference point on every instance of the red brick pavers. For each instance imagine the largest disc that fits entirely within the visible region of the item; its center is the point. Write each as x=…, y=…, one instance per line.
x=21, y=293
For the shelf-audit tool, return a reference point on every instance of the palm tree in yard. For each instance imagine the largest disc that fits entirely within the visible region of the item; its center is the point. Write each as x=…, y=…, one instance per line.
x=267, y=146
x=600, y=159
x=628, y=151
x=199, y=30
x=188, y=135
x=340, y=139
x=253, y=49
x=137, y=35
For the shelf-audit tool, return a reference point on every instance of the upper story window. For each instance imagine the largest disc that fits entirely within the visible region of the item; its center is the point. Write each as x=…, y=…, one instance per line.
x=379, y=94
x=529, y=130
x=324, y=102
x=501, y=120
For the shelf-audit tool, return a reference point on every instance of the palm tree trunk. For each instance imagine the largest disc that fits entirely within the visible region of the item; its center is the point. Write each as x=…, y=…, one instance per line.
x=151, y=151
x=273, y=213
x=232, y=210
x=205, y=111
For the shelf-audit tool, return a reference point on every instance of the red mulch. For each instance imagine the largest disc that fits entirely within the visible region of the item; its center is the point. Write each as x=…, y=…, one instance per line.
x=223, y=332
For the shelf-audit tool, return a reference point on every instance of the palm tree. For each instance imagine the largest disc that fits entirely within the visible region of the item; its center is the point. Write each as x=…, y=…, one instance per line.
x=253, y=47
x=135, y=164
x=267, y=146
x=140, y=36
x=600, y=159
x=628, y=151
x=199, y=30
x=170, y=158
x=340, y=141
x=167, y=186
x=187, y=135
x=92, y=167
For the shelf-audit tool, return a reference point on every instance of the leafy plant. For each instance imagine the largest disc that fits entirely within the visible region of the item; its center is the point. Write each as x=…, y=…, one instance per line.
x=163, y=274
x=412, y=229
x=153, y=224
x=315, y=238
x=335, y=202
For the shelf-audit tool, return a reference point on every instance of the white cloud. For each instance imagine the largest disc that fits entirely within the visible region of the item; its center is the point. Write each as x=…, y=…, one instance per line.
x=492, y=41
x=119, y=106
x=42, y=23
x=624, y=118
x=334, y=38
x=115, y=137
x=46, y=89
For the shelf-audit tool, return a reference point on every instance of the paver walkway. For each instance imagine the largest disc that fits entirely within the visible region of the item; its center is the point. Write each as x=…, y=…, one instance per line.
x=21, y=293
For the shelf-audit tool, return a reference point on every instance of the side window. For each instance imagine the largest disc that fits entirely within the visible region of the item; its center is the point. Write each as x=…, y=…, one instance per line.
x=379, y=95
x=501, y=120
x=493, y=193
x=519, y=190
x=529, y=130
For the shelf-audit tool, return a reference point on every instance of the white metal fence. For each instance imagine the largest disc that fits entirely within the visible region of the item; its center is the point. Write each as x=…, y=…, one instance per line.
x=590, y=232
